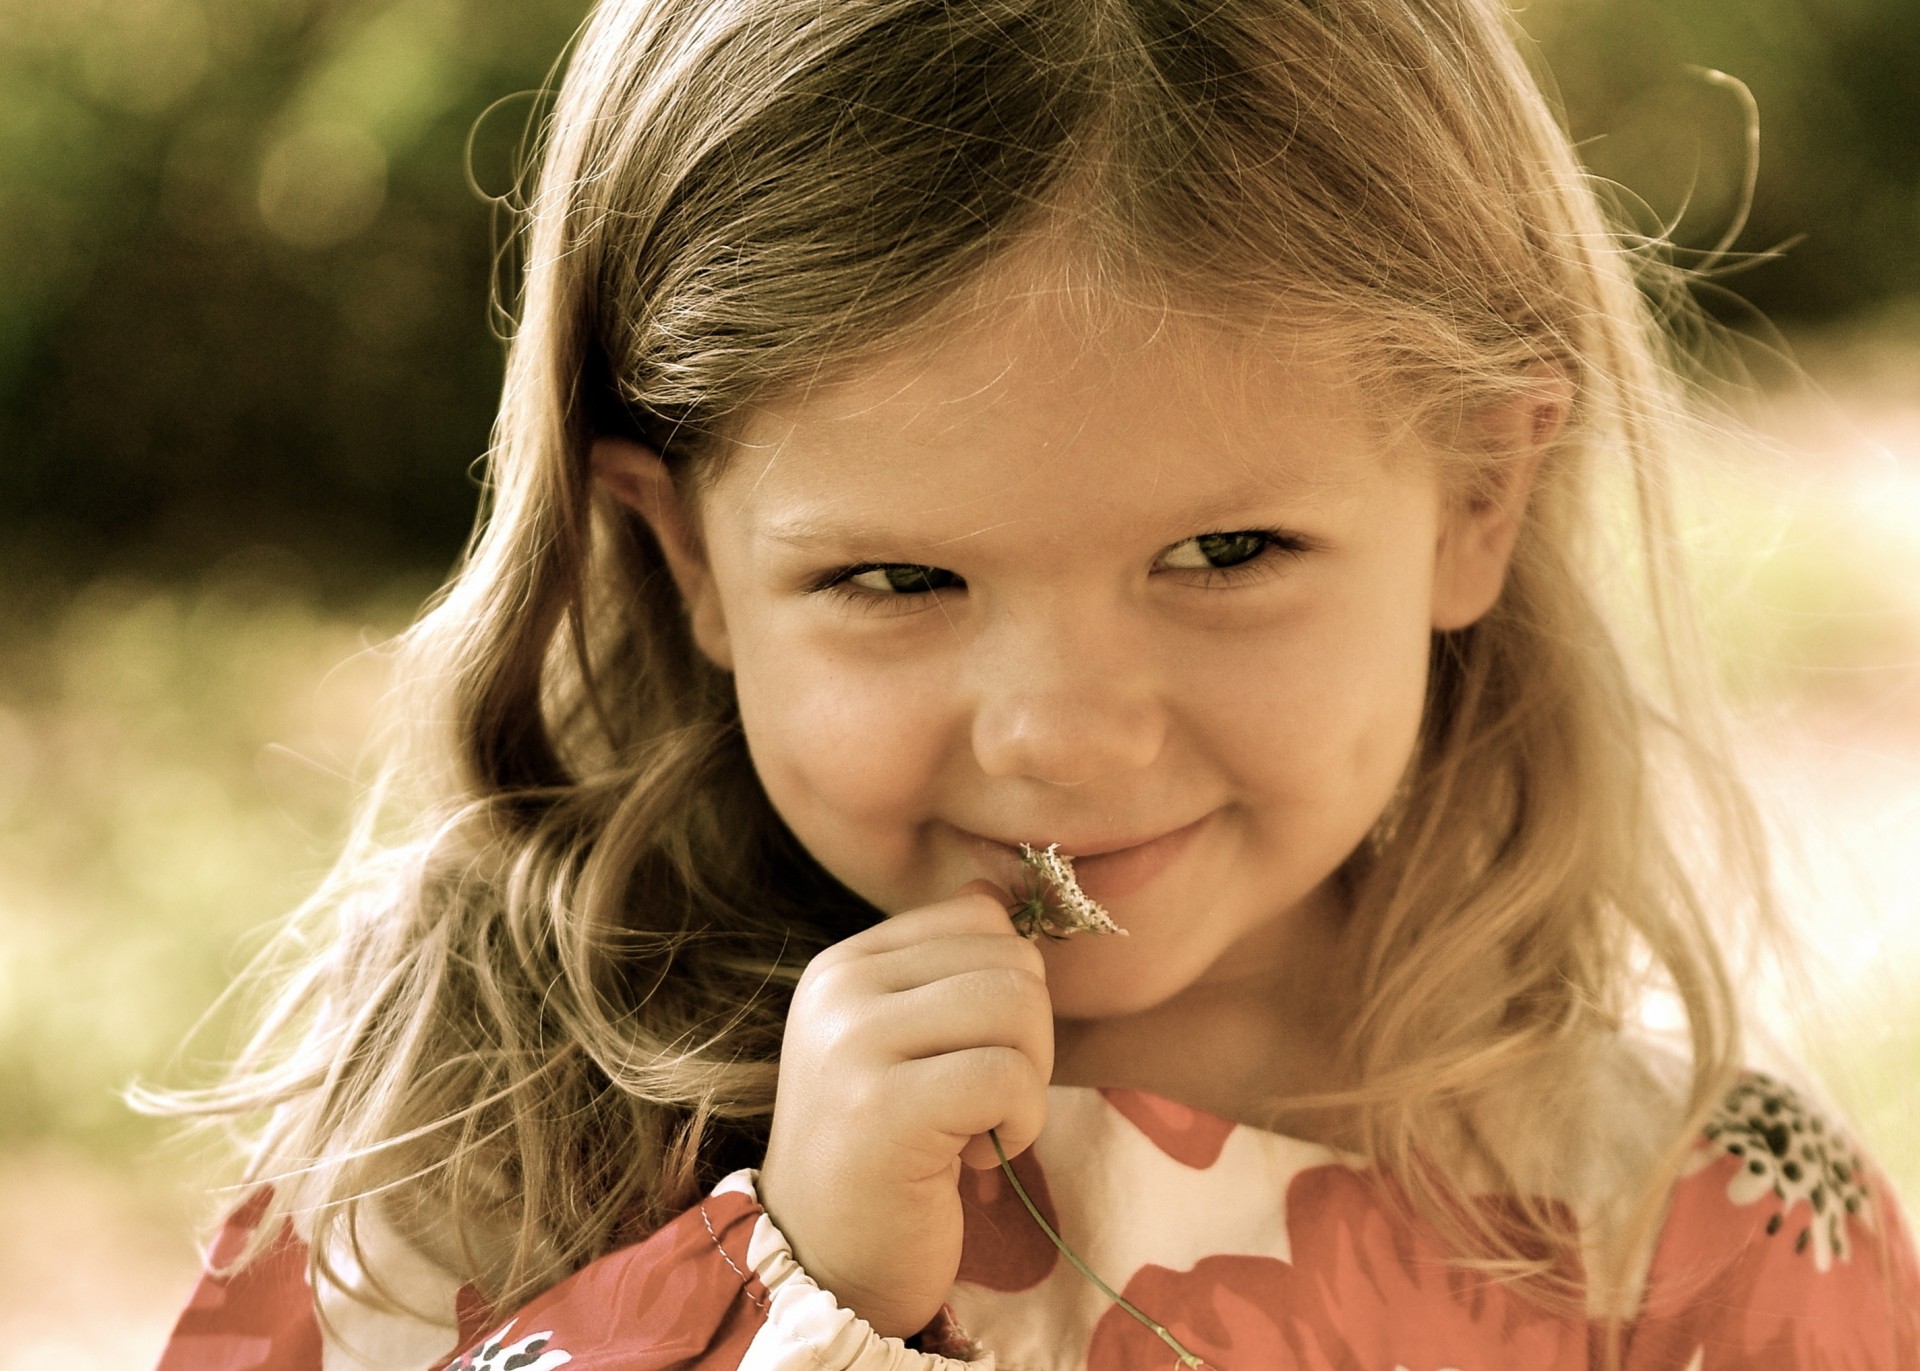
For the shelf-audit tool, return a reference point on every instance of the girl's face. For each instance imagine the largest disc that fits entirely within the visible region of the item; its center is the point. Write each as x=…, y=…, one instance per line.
x=1156, y=599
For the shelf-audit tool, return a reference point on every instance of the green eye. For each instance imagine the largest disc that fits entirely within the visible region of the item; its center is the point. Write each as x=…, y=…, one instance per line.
x=1216, y=551
x=900, y=578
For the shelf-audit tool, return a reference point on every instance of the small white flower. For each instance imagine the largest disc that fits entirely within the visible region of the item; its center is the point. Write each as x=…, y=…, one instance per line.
x=1060, y=906
x=534, y=1352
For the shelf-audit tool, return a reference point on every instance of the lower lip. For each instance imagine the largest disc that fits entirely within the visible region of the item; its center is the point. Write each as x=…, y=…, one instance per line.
x=1116, y=875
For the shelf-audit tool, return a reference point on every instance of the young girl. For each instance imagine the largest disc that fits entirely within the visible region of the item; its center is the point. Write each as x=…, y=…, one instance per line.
x=1220, y=440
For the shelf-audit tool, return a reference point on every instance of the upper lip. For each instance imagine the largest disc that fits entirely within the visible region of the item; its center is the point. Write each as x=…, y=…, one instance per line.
x=1092, y=847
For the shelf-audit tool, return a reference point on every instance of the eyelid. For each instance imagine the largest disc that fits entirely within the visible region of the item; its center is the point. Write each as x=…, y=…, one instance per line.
x=839, y=575
x=837, y=585
x=1278, y=543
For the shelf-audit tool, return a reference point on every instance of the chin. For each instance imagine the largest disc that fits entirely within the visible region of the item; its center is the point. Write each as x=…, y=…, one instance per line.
x=1093, y=992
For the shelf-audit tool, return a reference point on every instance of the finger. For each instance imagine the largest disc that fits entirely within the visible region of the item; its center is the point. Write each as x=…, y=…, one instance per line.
x=982, y=886
x=851, y=995
x=995, y=1007
x=906, y=968
x=979, y=1152
x=964, y=1094
x=972, y=911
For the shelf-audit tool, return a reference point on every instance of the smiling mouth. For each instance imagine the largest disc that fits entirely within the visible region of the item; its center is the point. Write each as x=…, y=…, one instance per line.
x=1107, y=870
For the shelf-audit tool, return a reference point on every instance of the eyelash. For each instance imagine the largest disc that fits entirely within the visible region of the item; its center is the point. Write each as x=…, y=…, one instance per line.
x=838, y=585
x=1278, y=545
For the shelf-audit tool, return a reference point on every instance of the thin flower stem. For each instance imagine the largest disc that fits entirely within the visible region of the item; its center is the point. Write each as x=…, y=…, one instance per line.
x=1159, y=1331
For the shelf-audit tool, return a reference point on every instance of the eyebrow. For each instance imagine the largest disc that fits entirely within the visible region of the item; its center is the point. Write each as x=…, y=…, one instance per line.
x=811, y=533
x=1216, y=511
x=814, y=533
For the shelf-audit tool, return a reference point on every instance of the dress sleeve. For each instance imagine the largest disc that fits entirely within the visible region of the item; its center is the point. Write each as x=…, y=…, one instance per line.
x=1782, y=1251
x=266, y=1316
x=258, y=1319
x=714, y=1290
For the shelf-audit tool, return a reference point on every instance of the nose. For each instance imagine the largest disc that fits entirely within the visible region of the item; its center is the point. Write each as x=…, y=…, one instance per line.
x=1066, y=698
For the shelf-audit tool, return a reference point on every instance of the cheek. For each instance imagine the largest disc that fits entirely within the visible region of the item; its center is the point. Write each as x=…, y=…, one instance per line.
x=838, y=741
x=1343, y=712
x=1388, y=725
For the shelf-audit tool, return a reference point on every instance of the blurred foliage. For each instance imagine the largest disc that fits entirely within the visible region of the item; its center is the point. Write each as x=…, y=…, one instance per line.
x=176, y=765
x=247, y=275
x=244, y=293
x=1837, y=87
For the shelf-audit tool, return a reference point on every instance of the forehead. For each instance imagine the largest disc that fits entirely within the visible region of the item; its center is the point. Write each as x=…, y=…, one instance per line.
x=1032, y=390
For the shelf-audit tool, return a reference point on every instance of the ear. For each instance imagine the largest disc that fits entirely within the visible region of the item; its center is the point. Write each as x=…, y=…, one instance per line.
x=635, y=476
x=1478, y=533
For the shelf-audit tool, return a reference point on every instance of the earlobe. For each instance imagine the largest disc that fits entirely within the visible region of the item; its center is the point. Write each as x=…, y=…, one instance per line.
x=1478, y=533
x=634, y=474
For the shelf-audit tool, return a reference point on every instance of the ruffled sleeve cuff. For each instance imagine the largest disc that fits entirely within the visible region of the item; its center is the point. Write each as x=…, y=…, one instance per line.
x=806, y=1327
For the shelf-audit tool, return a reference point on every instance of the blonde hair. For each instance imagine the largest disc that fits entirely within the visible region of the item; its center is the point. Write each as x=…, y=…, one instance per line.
x=549, y=1010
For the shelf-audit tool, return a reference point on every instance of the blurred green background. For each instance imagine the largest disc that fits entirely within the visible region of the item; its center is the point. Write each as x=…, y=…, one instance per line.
x=247, y=363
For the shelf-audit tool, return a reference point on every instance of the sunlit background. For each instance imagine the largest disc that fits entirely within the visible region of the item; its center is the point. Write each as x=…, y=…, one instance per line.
x=246, y=365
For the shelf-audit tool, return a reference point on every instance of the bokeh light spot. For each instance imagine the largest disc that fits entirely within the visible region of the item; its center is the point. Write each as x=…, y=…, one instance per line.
x=322, y=185
x=146, y=55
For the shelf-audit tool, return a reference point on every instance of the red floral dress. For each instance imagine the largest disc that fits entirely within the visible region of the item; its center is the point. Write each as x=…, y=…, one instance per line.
x=1256, y=1251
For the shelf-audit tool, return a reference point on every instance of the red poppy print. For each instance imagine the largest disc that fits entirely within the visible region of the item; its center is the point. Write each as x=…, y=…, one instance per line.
x=1736, y=1283
x=1190, y=1136
x=671, y=1301
x=260, y=1319
x=1003, y=1248
x=1366, y=1289
x=472, y=1315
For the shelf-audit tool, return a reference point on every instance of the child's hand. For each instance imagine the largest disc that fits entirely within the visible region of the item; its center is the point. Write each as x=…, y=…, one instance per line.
x=905, y=1044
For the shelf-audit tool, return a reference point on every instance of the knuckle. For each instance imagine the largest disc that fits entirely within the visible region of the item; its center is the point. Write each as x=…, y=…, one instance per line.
x=828, y=984
x=1024, y=983
x=818, y=972
x=1033, y=986
x=998, y=1069
x=865, y=1094
x=828, y=1029
x=1023, y=996
x=1001, y=983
